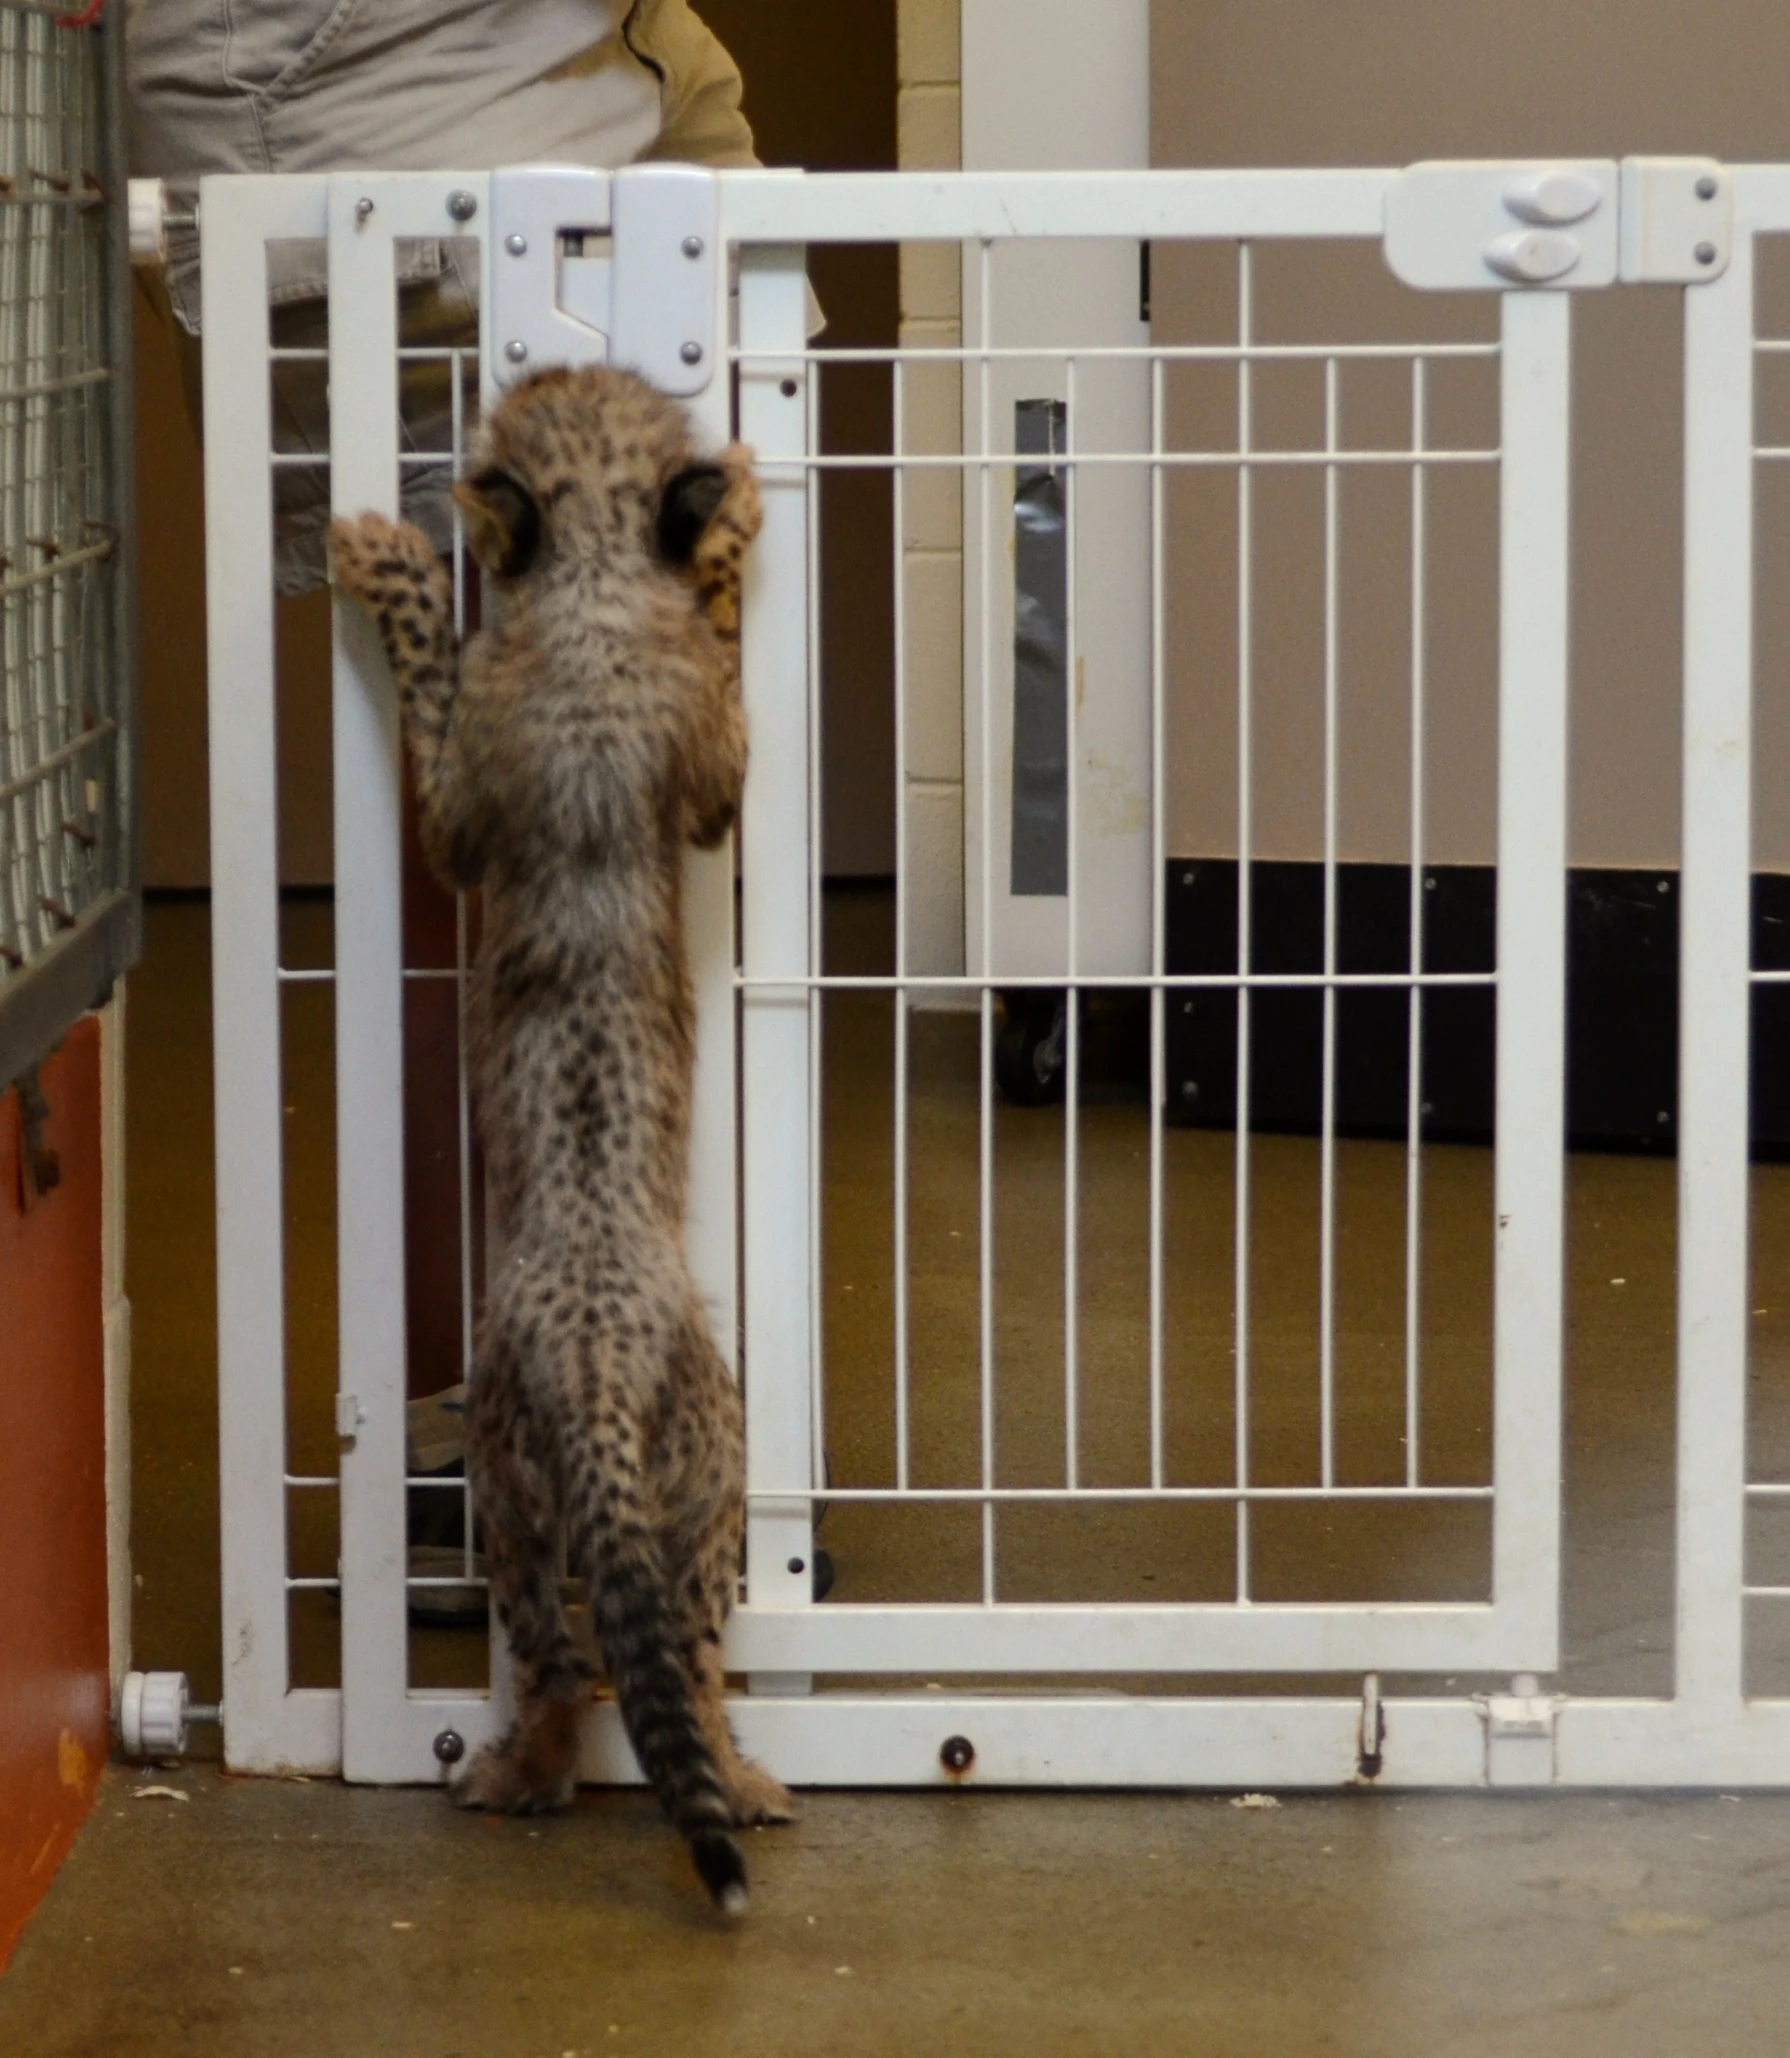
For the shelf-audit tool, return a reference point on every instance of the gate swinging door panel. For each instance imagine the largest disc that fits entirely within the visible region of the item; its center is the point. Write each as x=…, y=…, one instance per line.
x=780, y=1636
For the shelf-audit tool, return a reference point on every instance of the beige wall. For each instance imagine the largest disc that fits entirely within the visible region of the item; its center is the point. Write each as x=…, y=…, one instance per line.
x=1287, y=82
x=931, y=139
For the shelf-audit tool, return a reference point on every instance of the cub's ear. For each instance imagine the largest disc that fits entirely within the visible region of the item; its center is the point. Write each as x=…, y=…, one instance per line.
x=689, y=506
x=503, y=523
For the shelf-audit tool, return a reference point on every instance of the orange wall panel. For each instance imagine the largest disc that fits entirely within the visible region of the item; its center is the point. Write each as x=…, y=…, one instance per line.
x=54, y=1692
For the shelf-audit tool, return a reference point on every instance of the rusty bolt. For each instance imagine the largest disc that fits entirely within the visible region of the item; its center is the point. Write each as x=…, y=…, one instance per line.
x=450, y=1747
x=957, y=1754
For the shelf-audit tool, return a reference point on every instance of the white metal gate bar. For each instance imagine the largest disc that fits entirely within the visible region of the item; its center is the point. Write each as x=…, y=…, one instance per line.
x=268, y=1726
x=378, y=1727
x=1715, y=909
x=779, y=1056
x=367, y=216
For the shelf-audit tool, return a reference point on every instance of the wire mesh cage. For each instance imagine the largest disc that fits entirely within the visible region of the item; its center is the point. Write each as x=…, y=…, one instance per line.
x=68, y=857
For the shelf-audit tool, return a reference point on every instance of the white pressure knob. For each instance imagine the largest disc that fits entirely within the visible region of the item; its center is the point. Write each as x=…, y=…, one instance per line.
x=148, y=209
x=1552, y=199
x=152, y=1712
x=1533, y=257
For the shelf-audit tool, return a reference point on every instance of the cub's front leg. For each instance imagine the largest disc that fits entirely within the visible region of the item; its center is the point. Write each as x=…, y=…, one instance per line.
x=719, y=559
x=392, y=570
x=717, y=749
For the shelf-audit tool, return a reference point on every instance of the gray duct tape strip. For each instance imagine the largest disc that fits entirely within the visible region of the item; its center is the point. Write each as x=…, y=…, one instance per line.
x=1041, y=654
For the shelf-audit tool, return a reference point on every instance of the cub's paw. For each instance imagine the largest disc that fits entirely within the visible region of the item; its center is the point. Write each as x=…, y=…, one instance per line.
x=759, y=1801
x=740, y=514
x=719, y=557
x=501, y=1781
x=387, y=565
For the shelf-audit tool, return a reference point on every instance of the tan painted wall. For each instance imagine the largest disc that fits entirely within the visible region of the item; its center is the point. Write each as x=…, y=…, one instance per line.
x=930, y=59
x=1286, y=82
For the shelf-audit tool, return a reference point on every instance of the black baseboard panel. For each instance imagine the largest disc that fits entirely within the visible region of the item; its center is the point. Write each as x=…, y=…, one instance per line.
x=1622, y=1003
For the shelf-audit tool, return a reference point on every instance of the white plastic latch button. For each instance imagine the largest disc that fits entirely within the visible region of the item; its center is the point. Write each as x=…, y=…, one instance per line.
x=1532, y=257
x=1552, y=199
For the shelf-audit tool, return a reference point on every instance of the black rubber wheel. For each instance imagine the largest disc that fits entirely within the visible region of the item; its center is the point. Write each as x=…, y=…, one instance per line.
x=1029, y=1053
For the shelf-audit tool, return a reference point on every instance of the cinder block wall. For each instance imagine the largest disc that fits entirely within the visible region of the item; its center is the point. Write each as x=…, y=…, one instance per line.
x=931, y=139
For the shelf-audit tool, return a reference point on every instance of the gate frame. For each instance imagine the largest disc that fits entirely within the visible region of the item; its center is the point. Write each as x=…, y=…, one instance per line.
x=1707, y=1733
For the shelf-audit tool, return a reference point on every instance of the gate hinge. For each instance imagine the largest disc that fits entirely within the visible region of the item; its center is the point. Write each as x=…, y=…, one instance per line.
x=1567, y=225
x=349, y=1416
x=1519, y=1734
x=592, y=267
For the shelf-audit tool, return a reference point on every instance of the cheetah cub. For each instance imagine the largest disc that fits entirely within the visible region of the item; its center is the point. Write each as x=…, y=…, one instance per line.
x=562, y=764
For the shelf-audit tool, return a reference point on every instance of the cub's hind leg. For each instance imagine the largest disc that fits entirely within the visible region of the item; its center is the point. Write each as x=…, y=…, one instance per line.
x=533, y=1768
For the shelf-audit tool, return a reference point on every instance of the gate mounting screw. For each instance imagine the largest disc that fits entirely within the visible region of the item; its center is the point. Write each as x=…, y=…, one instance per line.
x=694, y=247
x=462, y=205
x=1707, y=188
x=957, y=1754
x=1705, y=253
x=691, y=353
x=362, y=209
x=516, y=350
x=516, y=243
x=450, y=1747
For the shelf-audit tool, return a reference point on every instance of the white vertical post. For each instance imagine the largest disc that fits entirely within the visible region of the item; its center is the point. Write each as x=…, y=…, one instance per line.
x=712, y=1232
x=266, y=1727
x=1714, y=961
x=777, y=1054
x=1531, y=1090
x=363, y=349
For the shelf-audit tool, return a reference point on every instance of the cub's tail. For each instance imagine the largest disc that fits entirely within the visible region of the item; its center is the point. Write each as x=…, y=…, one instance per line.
x=653, y=1688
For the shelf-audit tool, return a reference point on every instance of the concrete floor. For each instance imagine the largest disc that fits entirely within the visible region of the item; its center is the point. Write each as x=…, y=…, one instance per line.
x=975, y=1922
x=311, y=1922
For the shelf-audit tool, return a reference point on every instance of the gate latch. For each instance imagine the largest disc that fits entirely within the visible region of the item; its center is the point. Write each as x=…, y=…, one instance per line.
x=1566, y=225
x=349, y=1416
x=592, y=267
x=1519, y=1734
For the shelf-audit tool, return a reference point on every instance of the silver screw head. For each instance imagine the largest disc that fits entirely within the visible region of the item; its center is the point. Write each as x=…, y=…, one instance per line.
x=462, y=205
x=691, y=353
x=450, y=1747
x=694, y=246
x=362, y=208
x=516, y=243
x=1707, y=187
x=1705, y=253
x=516, y=350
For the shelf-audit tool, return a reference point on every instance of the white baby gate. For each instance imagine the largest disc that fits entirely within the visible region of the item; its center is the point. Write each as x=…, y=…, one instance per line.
x=933, y=1707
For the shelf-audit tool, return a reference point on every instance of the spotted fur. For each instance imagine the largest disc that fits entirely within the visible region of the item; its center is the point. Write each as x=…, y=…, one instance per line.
x=563, y=763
